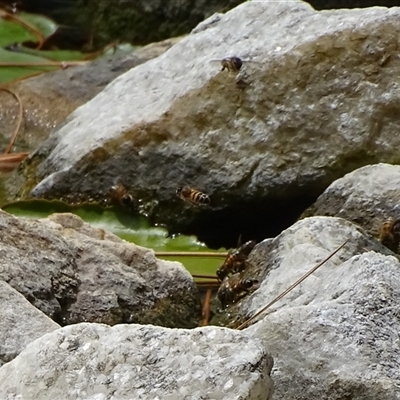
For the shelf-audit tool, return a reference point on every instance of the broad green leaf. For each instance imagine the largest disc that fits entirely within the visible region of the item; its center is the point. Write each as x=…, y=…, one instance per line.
x=9, y=73
x=43, y=24
x=11, y=32
x=134, y=228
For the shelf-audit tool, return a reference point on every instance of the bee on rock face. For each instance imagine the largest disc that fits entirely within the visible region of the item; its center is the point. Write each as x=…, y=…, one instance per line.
x=119, y=195
x=235, y=261
x=193, y=196
x=231, y=64
x=389, y=234
x=234, y=288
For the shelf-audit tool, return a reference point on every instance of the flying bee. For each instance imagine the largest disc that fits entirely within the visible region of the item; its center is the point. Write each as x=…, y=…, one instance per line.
x=119, y=195
x=389, y=234
x=193, y=196
x=233, y=288
x=235, y=261
x=232, y=64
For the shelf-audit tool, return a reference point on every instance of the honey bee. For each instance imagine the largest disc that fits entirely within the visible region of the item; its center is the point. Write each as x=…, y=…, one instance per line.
x=235, y=261
x=119, y=195
x=192, y=196
x=389, y=234
x=233, y=288
x=232, y=64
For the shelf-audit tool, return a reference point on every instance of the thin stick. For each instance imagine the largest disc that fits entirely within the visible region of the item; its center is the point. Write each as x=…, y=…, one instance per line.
x=206, y=308
x=207, y=284
x=245, y=323
x=189, y=254
x=8, y=162
x=204, y=276
x=59, y=64
x=36, y=32
x=20, y=115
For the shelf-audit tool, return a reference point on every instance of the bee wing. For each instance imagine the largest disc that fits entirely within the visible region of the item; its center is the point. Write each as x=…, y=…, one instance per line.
x=252, y=63
x=215, y=61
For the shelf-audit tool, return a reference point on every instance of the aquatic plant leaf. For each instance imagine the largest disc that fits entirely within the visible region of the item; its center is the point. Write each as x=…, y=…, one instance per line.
x=54, y=55
x=11, y=32
x=11, y=72
x=43, y=24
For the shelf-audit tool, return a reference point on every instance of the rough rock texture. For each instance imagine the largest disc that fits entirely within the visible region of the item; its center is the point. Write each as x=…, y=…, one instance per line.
x=335, y=333
x=20, y=323
x=49, y=98
x=74, y=272
x=320, y=102
x=367, y=196
x=91, y=361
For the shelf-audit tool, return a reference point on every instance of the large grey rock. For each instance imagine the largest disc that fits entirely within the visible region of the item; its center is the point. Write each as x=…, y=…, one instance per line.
x=334, y=335
x=74, y=272
x=367, y=196
x=91, y=361
x=20, y=323
x=320, y=102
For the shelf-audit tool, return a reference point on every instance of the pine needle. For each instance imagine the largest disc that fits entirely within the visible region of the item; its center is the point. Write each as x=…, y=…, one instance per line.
x=290, y=288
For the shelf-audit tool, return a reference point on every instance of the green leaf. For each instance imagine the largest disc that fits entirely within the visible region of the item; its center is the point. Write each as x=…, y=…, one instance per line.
x=11, y=32
x=52, y=55
x=134, y=228
x=43, y=24
x=9, y=73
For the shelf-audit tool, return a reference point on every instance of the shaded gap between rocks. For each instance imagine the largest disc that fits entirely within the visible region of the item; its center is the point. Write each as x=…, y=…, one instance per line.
x=250, y=220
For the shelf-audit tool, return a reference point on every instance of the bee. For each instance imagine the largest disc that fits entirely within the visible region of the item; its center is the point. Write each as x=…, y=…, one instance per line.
x=235, y=261
x=192, y=196
x=233, y=288
x=232, y=64
x=119, y=195
x=389, y=234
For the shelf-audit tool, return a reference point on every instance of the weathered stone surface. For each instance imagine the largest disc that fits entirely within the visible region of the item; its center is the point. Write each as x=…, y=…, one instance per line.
x=49, y=98
x=319, y=103
x=367, y=196
x=20, y=323
x=334, y=334
x=92, y=361
x=74, y=272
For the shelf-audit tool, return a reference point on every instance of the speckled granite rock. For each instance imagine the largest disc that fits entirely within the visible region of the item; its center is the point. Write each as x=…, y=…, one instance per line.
x=20, y=323
x=334, y=336
x=92, y=361
x=74, y=272
x=367, y=196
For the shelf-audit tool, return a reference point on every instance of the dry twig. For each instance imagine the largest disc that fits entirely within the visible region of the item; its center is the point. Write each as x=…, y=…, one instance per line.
x=20, y=115
x=189, y=254
x=8, y=16
x=206, y=308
